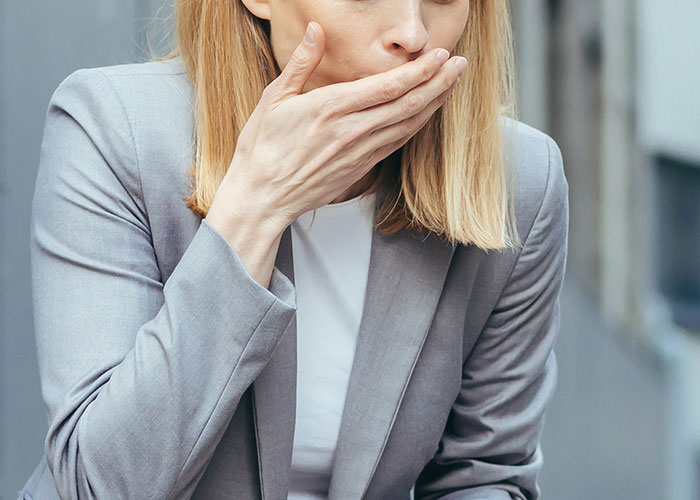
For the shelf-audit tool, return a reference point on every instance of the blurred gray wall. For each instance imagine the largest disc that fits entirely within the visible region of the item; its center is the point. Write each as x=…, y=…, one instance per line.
x=40, y=44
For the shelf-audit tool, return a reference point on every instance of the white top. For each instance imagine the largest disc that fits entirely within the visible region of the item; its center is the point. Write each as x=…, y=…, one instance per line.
x=331, y=262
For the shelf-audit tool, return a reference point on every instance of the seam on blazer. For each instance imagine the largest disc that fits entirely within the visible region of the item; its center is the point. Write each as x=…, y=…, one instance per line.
x=138, y=166
x=257, y=443
x=131, y=132
x=128, y=74
x=537, y=214
x=522, y=247
x=228, y=382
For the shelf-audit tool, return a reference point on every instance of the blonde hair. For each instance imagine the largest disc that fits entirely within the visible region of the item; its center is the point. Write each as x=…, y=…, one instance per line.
x=450, y=178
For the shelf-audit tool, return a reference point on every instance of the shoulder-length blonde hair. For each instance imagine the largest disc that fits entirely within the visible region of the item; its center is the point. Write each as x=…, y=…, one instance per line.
x=449, y=178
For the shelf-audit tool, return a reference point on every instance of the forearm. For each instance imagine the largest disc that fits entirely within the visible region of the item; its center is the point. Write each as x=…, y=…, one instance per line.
x=481, y=493
x=148, y=424
x=251, y=230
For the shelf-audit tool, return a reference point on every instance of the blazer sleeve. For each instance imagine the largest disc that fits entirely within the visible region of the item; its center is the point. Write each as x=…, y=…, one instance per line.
x=139, y=378
x=490, y=449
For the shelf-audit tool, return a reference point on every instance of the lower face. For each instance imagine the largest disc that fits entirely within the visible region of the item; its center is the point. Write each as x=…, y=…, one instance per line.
x=365, y=37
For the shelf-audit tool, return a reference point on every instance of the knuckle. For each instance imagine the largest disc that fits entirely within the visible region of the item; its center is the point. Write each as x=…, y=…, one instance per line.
x=363, y=100
x=271, y=87
x=415, y=123
x=299, y=58
x=350, y=135
x=426, y=72
x=330, y=107
x=413, y=103
x=391, y=88
x=406, y=126
x=267, y=91
x=346, y=135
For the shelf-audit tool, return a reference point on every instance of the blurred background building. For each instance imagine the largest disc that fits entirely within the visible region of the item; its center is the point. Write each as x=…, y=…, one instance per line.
x=615, y=82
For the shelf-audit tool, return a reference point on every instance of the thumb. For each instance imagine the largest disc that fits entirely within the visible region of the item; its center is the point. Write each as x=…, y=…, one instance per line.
x=303, y=61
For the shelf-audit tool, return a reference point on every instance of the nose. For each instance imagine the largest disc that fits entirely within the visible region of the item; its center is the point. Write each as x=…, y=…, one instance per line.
x=407, y=36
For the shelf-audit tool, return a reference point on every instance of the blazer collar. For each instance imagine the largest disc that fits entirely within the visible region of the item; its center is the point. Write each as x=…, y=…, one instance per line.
x=405, y=281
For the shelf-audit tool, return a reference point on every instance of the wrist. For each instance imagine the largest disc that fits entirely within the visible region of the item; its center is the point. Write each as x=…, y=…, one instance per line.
x=244, y=223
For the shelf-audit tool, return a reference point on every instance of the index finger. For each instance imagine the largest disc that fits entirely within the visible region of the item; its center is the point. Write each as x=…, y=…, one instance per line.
x=349, y=97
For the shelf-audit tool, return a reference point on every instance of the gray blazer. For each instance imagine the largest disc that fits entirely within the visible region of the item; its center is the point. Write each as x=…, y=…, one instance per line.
x=167, y=372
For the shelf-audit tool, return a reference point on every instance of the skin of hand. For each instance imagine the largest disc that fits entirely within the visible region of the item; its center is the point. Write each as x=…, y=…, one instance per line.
x=362, y=37
x=334, y=128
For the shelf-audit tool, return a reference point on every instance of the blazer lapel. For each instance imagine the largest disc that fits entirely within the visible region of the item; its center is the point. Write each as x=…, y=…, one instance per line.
x=274, y=398
x=405, y=280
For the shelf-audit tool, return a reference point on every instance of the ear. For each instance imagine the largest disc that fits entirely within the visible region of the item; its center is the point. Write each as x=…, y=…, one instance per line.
x=259, y=8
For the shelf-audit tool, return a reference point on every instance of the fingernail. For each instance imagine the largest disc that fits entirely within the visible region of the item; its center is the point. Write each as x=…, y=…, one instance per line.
x=460, y=64
x=442, y=56
x=310, y=35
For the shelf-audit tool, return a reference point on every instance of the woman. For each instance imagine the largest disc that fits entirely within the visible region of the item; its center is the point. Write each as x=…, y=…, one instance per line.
x=407, y=347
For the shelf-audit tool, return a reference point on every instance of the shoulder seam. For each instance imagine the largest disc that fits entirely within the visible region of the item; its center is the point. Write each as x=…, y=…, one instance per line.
x=537, y=213
x=148, y=74
x=131, y=130
x=544, y=192
x=133, y=142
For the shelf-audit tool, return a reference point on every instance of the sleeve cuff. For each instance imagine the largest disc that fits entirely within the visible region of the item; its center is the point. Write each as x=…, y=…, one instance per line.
x=479, y=493
x=280, y=288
